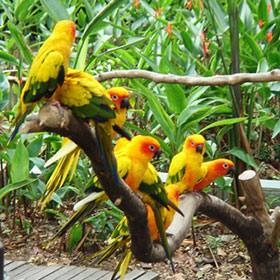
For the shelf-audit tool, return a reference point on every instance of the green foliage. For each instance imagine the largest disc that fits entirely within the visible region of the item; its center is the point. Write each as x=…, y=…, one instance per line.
x=117, y=35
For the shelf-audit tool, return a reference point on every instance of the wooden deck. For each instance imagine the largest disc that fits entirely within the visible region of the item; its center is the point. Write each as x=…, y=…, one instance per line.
x=19, y=270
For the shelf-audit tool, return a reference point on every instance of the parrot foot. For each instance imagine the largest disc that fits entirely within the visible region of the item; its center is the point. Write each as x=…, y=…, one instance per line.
x=60, y=110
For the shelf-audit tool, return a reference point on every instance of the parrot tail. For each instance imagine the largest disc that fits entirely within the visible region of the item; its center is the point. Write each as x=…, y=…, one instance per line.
x=161, y=229
x=22, y=112
x=105, y=146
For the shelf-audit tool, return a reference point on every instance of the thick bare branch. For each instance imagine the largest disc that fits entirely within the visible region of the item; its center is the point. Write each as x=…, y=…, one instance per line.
x=276, y=228
x=254, y=199
x=217, y=80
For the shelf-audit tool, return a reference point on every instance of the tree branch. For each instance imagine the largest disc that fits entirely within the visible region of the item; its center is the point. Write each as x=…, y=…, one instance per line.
x=217, y=80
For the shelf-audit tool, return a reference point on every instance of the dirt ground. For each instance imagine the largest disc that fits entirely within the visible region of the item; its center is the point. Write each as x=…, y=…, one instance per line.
x=218, y=253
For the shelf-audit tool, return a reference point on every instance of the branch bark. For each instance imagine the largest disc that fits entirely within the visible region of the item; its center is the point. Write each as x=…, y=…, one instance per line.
x=217, y=80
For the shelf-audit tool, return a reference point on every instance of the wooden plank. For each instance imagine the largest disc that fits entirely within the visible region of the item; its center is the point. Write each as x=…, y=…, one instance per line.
x=13, y=265
x=71, y=273
x=58, y=273
x=134, y=274
x=44, y=272
x=97, y=275
x=6, y=262
x=85, y=274
x=20, y=270
x=107, y=276
x=33, y=270
x=149, y=276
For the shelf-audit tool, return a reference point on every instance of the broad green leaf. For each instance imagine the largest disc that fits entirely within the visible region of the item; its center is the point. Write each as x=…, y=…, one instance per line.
x=4, y=90
x=241, y=154
x=4, y=156
x=187, y=40
x=262, y=11
x=163, y=146
x=35, y=146
x=223, y=122
x=81, y=60
x=196, y=93
x=161, y=116
x=8, y=58
x=20, y=164
x=190, y=111
x=26, y=52
x=176, y=97
x=255, y=49
x=56, y=198
x=96, y=22
x=276, y=129
x=14, y=186
x=55, y=9
x=75, y=237
x=22, y=9
x=56, y=212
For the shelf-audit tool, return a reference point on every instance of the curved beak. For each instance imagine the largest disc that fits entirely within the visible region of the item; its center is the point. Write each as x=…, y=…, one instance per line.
x=125, y=103
x=199, y=148
x=157, y=155
x=231, y=171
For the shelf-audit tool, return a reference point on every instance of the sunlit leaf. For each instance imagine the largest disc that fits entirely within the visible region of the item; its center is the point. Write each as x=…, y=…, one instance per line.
x=241, y=154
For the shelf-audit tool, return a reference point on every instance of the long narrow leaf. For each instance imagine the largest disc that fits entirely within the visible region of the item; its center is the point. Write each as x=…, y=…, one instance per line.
x=15, y=186
x=94, y=25
x=55, y=9
x=26, y=52
x=223, y=122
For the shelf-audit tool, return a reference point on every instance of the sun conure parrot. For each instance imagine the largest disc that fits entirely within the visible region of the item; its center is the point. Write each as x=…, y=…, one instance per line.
x=215, y=169
x=47, y=71
x=89, y=100
x=132, y=163
x=69, y=153
x=120, y=237
x=186, y=167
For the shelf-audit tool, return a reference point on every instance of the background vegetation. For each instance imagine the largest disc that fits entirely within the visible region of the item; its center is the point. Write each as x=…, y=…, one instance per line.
x=196, y=38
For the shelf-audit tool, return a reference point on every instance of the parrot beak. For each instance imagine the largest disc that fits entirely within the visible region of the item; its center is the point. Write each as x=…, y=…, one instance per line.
x=231, y=171
x=199, y=148
x=125, y=103
x=157, y=155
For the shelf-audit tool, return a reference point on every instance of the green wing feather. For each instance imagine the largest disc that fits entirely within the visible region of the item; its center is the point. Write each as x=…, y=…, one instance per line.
x=46, y=74
x=152, y=186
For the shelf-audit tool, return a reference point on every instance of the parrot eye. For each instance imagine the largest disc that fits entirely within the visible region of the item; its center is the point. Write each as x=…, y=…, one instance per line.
x=115, y=97
x=152, y=147
x=192, y=143
x=225, y=166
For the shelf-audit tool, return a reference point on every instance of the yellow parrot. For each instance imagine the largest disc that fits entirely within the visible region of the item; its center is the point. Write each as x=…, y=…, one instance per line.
x=215, y=169
x=47, y=71
x=132, y=163
x=69, y=153
x=120, y=237
x=89, y=100
x=186, y=167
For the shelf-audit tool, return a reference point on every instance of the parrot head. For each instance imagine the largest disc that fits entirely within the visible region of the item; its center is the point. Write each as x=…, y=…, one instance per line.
x=120, y=97
x=144, y=146
x=65, y=29
x=195, y=143
x=224, y=166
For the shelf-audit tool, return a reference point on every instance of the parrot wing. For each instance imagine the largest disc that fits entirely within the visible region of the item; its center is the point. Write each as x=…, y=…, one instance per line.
x=47, y=72
x=177, y=169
